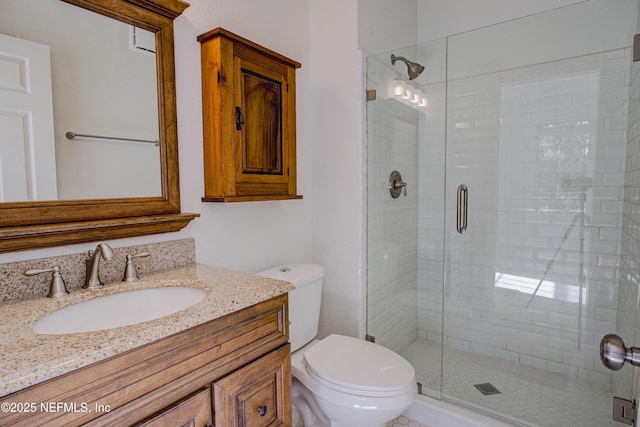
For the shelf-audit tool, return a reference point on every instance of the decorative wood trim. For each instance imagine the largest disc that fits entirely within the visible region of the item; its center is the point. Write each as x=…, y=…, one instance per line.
x=193, y=411
x=168, y=8
x=29, y=237
x=227, y=199
x=221, y=32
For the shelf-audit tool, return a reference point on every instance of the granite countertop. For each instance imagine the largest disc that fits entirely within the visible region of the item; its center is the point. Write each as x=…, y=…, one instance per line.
x=27, y=358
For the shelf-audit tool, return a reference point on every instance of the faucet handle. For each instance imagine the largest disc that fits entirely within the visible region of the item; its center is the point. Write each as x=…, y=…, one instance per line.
x=130, y=273
x=57, y=288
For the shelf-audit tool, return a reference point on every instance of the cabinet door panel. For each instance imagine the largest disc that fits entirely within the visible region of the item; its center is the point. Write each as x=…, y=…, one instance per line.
x=263, y=133
x=259, y=403
x=192, y=412
x=261, y=156
x=256, y=395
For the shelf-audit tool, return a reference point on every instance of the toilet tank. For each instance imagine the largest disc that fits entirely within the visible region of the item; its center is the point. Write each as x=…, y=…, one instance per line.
x=304, y=300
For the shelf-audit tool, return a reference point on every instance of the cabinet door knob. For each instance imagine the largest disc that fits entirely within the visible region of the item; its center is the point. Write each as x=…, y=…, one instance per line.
x=262, y=410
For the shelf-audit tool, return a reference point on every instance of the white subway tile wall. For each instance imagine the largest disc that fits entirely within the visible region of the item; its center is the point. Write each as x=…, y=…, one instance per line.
x=542, y=151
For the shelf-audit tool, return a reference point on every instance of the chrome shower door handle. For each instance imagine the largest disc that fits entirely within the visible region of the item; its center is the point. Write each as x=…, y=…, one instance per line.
x=461, y=208
x=614, y=354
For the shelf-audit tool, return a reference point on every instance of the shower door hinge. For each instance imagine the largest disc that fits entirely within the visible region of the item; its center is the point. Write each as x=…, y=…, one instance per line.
x=371, y=95
x=370, y=338
x=624, y=411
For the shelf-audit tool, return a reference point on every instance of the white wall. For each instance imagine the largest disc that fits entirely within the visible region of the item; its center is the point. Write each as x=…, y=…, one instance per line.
x=441, y=18
x=335, y=134
x=386, y=25
x=563, y=33
x=253, y=235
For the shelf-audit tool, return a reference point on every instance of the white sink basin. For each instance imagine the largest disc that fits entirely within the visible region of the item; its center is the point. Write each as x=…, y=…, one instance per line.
x=123, y=309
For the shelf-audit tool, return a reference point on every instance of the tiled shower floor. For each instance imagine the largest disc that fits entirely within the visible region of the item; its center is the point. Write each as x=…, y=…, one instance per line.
x=529, y=395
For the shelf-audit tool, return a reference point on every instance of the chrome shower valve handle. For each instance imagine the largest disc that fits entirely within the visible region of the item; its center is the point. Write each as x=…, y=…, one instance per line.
x=396, y=184
x=400, y=185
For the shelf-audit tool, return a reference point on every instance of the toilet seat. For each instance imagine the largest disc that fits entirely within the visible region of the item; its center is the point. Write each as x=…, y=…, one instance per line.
x=354, y=366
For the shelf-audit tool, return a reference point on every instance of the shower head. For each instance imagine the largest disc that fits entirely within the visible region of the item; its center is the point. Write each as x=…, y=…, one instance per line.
x=413, y=68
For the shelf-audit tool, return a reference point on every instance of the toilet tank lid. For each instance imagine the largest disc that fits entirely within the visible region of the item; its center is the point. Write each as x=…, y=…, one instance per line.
x=299, y=274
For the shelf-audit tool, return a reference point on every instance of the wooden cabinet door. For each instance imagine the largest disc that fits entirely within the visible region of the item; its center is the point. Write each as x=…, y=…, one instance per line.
x=259, y=105
x=194, y=411
x=262, y=139
x=256, y=395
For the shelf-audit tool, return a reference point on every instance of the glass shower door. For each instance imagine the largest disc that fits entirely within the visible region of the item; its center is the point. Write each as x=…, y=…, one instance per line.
x=405, y=133
x=534, y=282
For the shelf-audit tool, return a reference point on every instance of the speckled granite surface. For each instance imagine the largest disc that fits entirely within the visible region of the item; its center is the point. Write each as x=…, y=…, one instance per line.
x=28, y=358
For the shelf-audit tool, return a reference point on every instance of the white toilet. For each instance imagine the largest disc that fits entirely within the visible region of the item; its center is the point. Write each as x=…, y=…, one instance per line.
x=339, y=381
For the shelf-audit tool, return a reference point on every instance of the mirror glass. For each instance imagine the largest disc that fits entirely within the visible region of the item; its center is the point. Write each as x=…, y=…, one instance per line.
x=67, y=71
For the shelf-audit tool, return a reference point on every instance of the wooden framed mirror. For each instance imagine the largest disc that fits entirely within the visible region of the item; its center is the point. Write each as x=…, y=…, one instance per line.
x=34, y=224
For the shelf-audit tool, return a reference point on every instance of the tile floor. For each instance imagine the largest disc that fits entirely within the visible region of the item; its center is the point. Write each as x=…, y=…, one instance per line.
x=529, y=396
x=401, y=421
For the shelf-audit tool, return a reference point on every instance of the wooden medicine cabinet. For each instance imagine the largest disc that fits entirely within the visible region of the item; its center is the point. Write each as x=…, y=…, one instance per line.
x=249, y=120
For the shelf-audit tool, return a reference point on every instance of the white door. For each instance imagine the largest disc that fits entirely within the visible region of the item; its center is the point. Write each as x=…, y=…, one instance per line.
x=27, y=142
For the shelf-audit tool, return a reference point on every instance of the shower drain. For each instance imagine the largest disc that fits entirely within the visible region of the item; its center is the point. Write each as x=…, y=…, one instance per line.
x=487, y=388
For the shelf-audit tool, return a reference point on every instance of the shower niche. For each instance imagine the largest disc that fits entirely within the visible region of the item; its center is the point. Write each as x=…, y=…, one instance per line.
x=249, y=120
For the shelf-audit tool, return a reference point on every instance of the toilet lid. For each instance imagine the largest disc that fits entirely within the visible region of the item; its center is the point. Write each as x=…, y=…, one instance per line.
x=359, y=365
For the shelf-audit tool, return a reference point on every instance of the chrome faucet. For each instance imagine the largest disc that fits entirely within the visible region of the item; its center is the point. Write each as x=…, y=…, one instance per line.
x=93, y=263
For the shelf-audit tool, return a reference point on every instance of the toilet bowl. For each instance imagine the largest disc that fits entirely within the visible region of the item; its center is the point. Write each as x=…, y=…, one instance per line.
x=339, y=381
x=354, y=382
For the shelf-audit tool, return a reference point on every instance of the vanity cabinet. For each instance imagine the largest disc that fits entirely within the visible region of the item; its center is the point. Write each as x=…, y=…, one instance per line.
x=249, y=120
x=230, y=371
